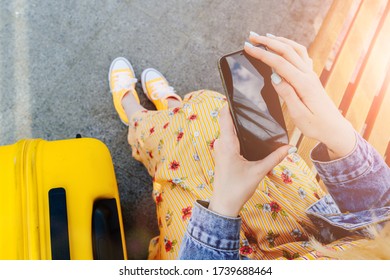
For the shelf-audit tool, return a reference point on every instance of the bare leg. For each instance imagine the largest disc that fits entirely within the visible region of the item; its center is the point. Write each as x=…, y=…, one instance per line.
x=173, y=102
x=130, y=105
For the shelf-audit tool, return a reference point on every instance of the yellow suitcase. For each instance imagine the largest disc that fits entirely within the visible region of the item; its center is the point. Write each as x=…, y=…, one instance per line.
x=59, y=200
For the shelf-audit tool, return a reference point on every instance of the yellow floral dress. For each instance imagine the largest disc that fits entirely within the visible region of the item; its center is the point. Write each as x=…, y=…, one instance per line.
x=176, y=147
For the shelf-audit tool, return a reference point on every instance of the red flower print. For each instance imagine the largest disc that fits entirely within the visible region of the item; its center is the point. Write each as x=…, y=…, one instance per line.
x=286, y=176
x=246, y=250
x=144, y=111
x=166, y=125
x=212, y=144
x=175, y=110
x=174, y=165
x=137, y=152
x=168, y=246
x=275, y=207
x=316, y=195
x=150, y=154
x=187, y=212
x=179, y=136
x=159, y=198
x=286, y=179
x=151, y=130
x=192, y=117
x=135, y=124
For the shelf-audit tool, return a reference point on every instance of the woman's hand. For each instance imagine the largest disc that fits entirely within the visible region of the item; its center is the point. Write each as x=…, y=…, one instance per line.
x=310, y=108
x=236, y=179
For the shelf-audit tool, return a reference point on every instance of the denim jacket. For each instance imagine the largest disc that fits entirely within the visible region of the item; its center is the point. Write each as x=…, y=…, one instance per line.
x=359, y=196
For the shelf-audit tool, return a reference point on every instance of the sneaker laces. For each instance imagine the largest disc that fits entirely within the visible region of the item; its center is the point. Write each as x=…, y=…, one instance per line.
x=123, y=80
x=160, y=89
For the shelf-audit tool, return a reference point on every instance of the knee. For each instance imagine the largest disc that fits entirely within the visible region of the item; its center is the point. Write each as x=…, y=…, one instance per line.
x=204, y=93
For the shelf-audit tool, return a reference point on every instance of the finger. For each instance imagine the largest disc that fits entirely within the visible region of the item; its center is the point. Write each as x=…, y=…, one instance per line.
x=281, y=66
x=300, y=49
x=265, y=165
x=295, y=105
x=226, y=125
x=226, y=145
x=283, y=49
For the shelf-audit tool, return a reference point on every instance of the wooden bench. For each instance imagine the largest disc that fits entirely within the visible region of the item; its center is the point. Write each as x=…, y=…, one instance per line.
x=351, y=54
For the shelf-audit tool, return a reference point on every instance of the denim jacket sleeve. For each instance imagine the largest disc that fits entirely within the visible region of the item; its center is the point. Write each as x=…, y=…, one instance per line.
x=359, y=191
x=358, y=181
x=210, y=236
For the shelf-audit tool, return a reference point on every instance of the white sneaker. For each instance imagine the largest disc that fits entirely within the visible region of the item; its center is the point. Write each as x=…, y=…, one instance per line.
x=122, y=80
x=157, y=88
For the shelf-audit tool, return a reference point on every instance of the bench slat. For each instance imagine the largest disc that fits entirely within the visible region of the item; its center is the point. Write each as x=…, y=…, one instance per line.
x=371, y=80
x=355, y=44
x=380, y=133
x=329, y=32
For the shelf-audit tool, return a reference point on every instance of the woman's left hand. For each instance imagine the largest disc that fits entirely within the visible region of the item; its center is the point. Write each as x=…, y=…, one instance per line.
x=236, y=179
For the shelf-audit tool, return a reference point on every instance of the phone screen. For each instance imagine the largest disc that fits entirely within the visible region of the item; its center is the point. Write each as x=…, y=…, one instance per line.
x=254, y=105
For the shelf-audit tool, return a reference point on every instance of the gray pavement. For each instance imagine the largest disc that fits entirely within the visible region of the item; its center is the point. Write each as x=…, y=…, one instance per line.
x=55, y=55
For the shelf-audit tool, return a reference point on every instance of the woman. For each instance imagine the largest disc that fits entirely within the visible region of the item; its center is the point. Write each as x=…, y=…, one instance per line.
x=192, y=156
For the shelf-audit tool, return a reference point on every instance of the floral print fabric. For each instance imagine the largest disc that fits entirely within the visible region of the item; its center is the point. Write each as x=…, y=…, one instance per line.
x=176, y=147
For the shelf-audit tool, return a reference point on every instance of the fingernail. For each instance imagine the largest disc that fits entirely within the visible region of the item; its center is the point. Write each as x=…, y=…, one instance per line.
x=276, y=79
x=249, y=45
x=269, y=35
x=253, y=34
x=292, y=150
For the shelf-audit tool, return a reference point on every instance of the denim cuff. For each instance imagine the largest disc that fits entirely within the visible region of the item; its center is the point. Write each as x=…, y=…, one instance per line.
x=214, y=230
x=332, y=224
x=344, y=169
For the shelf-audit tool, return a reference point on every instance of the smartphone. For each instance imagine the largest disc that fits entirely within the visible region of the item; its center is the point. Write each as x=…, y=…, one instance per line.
x=254, y=105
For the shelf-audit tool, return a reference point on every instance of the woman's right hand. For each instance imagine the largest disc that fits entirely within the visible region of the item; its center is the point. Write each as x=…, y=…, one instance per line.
x=310, y=108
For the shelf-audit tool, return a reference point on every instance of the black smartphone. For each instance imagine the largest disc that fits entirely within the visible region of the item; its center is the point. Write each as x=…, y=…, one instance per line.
x=254, y=105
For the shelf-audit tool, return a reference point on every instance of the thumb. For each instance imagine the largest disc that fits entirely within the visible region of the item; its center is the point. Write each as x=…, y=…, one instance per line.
x=226, y=124
x=273, y=159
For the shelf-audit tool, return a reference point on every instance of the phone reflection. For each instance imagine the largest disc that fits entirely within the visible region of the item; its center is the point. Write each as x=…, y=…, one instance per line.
x=252, y=114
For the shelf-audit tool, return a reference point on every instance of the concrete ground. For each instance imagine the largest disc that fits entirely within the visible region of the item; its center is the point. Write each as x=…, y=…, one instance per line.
x=55, y=55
